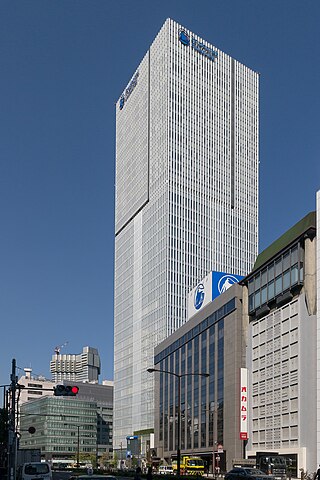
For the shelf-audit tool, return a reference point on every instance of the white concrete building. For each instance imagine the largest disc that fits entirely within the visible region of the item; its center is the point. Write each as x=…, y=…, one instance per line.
x=283, y=347
x=186, y=198
x=82, y=367
x=34, y=387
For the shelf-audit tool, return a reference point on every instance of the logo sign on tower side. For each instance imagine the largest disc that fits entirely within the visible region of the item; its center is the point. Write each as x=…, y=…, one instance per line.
x=126, y=94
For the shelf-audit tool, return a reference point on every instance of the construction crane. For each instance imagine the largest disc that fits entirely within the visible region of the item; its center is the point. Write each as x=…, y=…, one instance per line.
x=58, y=348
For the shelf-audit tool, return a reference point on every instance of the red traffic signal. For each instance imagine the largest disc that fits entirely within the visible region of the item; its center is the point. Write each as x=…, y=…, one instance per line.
x=65, y=390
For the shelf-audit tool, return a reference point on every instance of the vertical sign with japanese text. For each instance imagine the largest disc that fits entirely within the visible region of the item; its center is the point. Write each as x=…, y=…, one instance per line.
x=244, y=404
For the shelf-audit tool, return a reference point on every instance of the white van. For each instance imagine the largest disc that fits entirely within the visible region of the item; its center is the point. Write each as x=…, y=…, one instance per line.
x=34, y=470
x=165, y=470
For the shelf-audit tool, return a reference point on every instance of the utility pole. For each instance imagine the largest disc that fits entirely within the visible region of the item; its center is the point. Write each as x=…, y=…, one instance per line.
x=12, y=435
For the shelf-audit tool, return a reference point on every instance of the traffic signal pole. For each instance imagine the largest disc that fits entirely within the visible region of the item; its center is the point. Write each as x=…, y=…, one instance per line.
x=59, y=390
x=12, y=436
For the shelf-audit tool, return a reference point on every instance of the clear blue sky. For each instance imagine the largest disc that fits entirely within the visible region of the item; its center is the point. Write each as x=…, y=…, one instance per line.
x=64, y=63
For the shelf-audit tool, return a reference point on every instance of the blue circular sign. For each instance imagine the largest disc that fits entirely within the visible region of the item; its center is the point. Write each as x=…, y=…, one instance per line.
x=199, y=296
x=184, y=38
x=226, y=282
x=121, y=104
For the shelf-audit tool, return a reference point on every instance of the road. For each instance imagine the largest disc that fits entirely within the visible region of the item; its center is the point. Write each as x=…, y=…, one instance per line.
x=61, y=474
x=66, y=474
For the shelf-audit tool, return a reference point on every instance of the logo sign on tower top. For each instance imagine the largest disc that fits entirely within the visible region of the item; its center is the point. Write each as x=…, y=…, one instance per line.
x=184, y=38
x=200, y=47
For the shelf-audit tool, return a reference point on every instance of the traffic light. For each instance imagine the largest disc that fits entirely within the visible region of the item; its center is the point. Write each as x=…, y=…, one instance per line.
x=65, y=390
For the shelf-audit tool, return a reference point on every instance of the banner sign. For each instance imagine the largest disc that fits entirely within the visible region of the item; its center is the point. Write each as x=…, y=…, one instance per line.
x=244, y=404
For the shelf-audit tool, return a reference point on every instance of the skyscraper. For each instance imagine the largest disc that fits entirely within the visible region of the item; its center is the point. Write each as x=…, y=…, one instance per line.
x=186, y=198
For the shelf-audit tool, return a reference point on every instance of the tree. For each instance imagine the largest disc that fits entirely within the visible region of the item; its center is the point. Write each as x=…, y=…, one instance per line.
x=89, y=458
x=105, y=461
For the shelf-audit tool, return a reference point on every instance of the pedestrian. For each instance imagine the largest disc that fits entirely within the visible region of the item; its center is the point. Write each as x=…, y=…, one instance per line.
x=138, y=473
x=149, y=473
x=317, y=475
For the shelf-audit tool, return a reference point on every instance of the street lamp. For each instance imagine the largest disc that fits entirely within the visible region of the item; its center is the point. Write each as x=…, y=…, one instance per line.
x=213, y=412
x=178, y=376
x=78, y=441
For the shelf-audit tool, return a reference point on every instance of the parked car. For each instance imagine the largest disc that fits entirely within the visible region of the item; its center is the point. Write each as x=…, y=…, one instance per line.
x=34, y=471
x=247, y=473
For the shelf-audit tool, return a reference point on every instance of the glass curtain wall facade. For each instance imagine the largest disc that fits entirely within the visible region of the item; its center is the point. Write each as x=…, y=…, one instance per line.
x=212, y=341
x=201, y=350
x=278, y=277
x=56, y=421
x=186, y=199
x=195, y=403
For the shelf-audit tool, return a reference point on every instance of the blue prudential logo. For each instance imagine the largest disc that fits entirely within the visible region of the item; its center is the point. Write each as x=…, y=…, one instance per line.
x=126, y=94
x=199, y=296
x=222, y=281
x=197, y=45
x=184, y=38
x=226, y=282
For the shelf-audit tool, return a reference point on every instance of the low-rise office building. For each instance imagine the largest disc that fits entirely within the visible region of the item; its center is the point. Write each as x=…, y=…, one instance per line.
x=33, y=387
x=65, y=427
x=102, y=395
x=212, y=341
x=62, y=422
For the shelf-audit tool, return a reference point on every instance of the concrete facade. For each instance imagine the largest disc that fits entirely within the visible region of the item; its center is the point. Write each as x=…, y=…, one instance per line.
x=82, y=367
x=282, y=348
x=34, y=387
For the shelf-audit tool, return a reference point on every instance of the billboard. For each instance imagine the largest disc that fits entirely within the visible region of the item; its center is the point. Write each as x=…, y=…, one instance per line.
x=208, y=289
x=200, y=296
x=221, y=282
